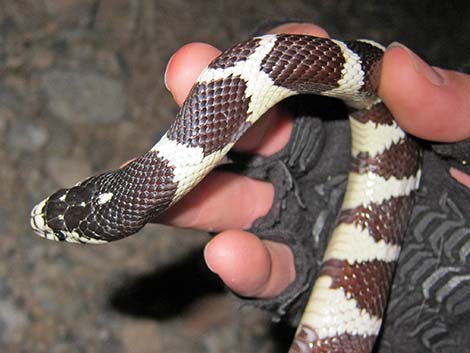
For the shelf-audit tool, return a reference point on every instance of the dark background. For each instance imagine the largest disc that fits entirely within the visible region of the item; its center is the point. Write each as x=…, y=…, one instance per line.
x=81, y=91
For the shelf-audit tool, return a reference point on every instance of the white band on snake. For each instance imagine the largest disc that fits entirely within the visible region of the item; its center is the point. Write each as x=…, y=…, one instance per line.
x=345, y=309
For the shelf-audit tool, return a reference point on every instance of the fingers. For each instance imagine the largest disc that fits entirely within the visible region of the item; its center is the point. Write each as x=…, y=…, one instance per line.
x=428, y=102
x=207, y=206
x=250, y=266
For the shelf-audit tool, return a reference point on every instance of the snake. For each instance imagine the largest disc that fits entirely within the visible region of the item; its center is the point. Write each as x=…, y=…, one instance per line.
x=346, y=306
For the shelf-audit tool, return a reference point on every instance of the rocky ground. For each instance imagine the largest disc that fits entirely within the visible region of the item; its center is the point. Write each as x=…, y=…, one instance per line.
x=81, y=91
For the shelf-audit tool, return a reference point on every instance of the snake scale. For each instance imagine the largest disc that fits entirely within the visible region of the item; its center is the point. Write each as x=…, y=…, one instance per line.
x=346, y=306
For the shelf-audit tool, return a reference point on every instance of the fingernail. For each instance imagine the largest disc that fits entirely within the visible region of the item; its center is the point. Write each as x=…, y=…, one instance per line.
x=166, y=72
x=206, y=249
x=424, y=69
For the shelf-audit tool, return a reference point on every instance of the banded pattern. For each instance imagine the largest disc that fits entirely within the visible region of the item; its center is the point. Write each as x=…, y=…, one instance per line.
x=346, y=307
x=350, y=294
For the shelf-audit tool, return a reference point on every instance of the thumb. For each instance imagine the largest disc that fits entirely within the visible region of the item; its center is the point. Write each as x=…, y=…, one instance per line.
x=428, y=102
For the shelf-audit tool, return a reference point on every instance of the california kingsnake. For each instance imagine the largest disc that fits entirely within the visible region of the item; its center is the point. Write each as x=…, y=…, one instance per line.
x=346, y=306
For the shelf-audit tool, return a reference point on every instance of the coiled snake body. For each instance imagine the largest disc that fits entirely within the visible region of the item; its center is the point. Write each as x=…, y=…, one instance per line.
x=346, y=306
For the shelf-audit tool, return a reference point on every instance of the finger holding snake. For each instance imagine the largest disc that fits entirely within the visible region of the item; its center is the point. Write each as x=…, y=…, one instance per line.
x=247, y=265
x=204, y=207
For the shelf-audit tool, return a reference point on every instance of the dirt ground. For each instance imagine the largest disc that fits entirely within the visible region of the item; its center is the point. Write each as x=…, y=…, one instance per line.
x=81, y=91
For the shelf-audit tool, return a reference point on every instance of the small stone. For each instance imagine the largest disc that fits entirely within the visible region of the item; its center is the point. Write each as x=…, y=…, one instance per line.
x=108, y=60
x=84, y=96
x=3, y=226
x=12, y=322
x=42, y=59
x=25, y=136
x=136, y=335
x=9, y=99
x=5, y=115
x=61, y=140
x=9, y=107
x=209, y=312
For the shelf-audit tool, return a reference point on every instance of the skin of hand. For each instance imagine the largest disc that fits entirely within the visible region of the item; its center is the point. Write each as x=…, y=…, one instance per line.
x=428, y=102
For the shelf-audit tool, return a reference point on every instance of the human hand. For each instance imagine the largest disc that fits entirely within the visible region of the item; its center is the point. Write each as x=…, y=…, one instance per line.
x=428, y=102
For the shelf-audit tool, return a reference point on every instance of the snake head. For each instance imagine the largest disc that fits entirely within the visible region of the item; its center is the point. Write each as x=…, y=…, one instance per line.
x=107, y=206
x=59, y=217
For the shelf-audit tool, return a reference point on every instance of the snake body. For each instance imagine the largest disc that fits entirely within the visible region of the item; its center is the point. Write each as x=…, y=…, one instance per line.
x=347, y=303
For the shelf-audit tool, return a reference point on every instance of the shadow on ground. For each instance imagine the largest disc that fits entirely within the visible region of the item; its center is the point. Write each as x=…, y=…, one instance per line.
x=167, y=292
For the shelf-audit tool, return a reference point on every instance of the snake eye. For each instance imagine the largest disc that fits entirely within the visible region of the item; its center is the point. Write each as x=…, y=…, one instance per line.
x=59, y=235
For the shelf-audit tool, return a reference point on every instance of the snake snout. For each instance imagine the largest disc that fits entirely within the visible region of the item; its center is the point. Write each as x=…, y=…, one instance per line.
x=59, y=216
x=37, y=219
x=40, y=225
